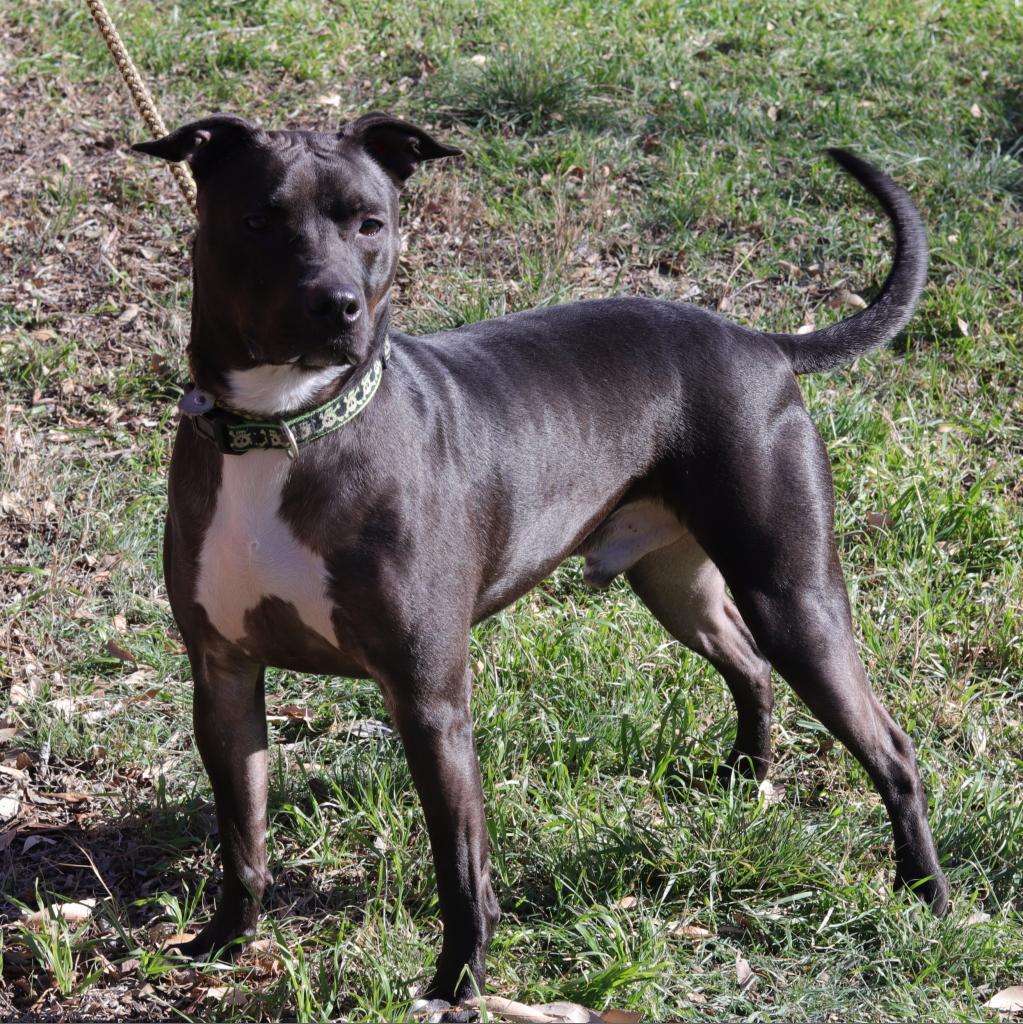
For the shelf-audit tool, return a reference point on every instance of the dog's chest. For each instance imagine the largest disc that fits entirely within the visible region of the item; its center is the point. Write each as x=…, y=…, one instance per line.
x=249, y=553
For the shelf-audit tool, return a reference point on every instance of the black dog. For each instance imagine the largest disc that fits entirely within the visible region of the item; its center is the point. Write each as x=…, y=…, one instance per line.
x=349, y=500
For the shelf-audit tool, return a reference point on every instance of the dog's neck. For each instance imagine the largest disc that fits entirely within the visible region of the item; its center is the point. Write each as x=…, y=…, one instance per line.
x=264, y=389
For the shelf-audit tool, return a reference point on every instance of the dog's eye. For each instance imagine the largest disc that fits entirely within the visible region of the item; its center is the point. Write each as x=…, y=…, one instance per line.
x=256, y=222
x=370, y=226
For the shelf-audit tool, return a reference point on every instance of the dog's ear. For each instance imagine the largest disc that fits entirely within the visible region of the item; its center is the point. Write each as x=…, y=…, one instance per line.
x=201, y=142
x=399, y=147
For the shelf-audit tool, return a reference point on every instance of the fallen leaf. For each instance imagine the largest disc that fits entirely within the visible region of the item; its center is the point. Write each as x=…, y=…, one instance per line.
x=844, y=297
x=178, y=938
x=879, y=521
x=228, y=995
x=129, y=314
x=1009, y=1000
x=978, y=917
x=292, y=712
x=22, y=693
x=8, y=733
x=975, y=111
x=964, y=327
x=771, y=793
x=628, y=902
x=691, y=931
x=744, y=973
x=479, y=59
x=73, y=913
x=621, y=1017
x=806, y=329
x=120, y=623
x=330, y=99
x=369, y=728
x=8, y=837
x=9, y=807
x=114, y=648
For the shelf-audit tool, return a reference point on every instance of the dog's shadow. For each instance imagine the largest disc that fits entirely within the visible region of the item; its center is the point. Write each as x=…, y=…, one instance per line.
x=148, y=866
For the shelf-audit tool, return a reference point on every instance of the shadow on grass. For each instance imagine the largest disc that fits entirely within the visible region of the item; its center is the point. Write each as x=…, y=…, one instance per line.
x=143, y=864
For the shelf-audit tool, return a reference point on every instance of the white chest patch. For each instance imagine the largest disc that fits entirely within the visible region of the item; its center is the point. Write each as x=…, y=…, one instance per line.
x=250, y=553
x=265, y=390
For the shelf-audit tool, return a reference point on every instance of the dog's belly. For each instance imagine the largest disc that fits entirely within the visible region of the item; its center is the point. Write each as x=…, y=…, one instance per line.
x=251, y=560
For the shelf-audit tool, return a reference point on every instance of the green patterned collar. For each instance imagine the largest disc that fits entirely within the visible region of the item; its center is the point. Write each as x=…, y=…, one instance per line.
x=235, y=435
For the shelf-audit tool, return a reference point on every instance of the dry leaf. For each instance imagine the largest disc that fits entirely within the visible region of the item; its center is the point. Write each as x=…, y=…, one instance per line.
x=7, y=733
x=628, y=902
x=368, y=729
x=37, y=841
x=806, y=329
x=691, y=931
x=879, y=521
x=72, y=798
x=228, y=995
x=8, y=837
x=120, y=623
x=330, y=99
x=975, y=111
x=73, y=913
x=744, y=973
x=964, y=327
x=844, y=297
x=978, y=917
x=9, y=807
x=178, y=938
x=621, y=1017
x=1009, y=1000
x=118, y=651
x=128, y=314
x=22, y=693
x=479, y=59
x=292, y=712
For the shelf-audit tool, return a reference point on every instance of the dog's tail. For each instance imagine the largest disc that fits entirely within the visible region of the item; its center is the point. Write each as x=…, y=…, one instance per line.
x=891, y=310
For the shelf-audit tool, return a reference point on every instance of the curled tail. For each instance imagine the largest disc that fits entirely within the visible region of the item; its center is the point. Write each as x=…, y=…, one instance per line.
x=890, y=311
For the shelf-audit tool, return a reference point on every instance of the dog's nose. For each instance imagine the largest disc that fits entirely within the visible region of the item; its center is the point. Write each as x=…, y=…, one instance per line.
x=333, y=302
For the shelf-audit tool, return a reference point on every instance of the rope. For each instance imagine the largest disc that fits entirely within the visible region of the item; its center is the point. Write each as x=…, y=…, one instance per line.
x=139, y=93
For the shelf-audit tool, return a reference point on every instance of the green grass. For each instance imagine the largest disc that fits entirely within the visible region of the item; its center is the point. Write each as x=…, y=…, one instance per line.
x=653, y=147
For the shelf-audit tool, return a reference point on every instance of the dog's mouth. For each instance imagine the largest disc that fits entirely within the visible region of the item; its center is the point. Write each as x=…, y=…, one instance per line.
x=335, y=353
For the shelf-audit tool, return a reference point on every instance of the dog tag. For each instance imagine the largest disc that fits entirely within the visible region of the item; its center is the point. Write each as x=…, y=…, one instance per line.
x=195, y=402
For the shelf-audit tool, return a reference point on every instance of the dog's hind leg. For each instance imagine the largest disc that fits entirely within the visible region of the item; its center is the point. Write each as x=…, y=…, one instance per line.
x=765, y=517
x=686, y=593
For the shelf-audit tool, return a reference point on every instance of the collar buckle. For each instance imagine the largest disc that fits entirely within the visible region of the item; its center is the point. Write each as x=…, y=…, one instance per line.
x=289, y=435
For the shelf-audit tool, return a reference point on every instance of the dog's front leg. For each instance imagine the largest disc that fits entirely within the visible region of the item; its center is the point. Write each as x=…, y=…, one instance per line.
x=433, y=717
x=230, y=730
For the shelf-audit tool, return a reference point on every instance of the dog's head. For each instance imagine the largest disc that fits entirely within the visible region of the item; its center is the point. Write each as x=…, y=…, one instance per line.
x=297, y=243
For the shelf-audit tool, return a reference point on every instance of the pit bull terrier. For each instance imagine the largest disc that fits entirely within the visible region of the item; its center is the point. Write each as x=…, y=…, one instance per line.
x=347, y=499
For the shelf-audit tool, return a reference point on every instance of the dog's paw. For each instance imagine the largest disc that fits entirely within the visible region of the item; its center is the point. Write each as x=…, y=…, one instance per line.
x=430, y=1010
x=212, y=943
x=933, y=890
